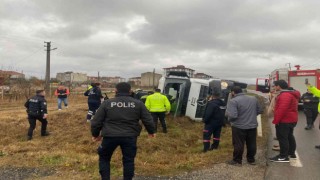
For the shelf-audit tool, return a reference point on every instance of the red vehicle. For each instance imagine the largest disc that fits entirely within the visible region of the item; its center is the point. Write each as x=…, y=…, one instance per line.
x=295, y=78
x=262, y=85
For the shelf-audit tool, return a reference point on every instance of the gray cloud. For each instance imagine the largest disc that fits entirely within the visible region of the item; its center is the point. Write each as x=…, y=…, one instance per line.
x=227, y=39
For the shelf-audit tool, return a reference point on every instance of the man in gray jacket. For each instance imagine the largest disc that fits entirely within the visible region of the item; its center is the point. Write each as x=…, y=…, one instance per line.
x=117, y=121
x=242, y=111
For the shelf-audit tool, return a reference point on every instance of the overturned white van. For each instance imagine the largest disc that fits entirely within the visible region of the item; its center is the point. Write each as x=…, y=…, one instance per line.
x=189, y=95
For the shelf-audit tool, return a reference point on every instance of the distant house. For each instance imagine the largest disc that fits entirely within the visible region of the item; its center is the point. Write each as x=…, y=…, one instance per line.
x=106, y=81
x=11, y=74
x=135, y=81
x=71, y=77
x=202, y=76
x=150, y=79
x=92, y=78
x=115, y=79
x=179, y=68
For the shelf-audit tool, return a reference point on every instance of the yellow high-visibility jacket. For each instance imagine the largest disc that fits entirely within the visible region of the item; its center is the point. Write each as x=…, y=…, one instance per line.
x=315, y=92
x=158, y=103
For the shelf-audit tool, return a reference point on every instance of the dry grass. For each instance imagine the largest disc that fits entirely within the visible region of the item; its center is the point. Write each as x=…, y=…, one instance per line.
x=70, y=152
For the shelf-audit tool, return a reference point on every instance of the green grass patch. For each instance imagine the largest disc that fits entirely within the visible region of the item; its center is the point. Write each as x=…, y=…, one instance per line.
x=70, y=151
x=2, y=154
x=55, y=160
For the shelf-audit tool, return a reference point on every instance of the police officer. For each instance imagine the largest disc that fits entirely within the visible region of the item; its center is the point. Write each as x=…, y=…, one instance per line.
x=310, y=108
x=316, y=92
x=213, y=119
x=94, y=99
x=37, y=110
x=117, y=121
x=158, y=105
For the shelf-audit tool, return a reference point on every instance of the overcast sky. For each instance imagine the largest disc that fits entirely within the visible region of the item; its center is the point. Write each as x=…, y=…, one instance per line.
x=229, y=39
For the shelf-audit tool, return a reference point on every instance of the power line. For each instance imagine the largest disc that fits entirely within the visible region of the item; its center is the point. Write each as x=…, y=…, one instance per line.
x=30, y=55
x=20, y=38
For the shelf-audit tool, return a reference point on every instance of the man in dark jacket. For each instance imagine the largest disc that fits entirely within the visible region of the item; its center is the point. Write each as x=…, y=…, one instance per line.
x=310, y=108
x=62, y=93
x=316, y=92
x=94, y=99
x=285, y=119
x=213, y=118
x=117, y=121
x=37, y=110
x=242, y=111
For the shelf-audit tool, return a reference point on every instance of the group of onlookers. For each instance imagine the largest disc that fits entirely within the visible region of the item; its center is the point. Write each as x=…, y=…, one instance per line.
x=284, y=110
x=117, y=120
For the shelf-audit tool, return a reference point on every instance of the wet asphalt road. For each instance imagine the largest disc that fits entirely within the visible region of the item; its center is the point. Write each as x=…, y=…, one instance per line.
x=308, y=168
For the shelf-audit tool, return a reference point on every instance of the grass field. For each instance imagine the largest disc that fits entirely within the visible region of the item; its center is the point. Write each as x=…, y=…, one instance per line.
x=69, y=153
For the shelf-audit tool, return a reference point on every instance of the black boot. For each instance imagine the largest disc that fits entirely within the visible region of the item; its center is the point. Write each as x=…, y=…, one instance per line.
x=206, y=146
x=45, y=134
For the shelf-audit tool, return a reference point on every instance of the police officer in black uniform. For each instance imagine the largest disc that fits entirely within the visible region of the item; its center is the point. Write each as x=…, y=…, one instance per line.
x=37, y=110
x=117, y=121
x=94, y=99
x=310, y=108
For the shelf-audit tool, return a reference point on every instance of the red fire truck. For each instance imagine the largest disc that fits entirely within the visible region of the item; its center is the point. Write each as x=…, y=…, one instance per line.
x=295, y=78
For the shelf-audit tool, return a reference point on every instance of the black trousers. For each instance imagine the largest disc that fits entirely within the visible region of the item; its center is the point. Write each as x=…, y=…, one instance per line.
x=287, y=142
x=208, y=131
x=311, y=115
x=161, y=116
x=240, y=137
x=128, y=147
x=93, y=106
x=32, y=122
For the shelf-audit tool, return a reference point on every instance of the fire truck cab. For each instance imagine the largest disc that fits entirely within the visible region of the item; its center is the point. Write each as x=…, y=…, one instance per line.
x=295, y=78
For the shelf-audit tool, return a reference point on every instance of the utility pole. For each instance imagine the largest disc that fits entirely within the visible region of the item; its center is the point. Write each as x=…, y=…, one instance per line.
x=98, y=76
x=289, y=65
x=153, y=77
x=47, y=79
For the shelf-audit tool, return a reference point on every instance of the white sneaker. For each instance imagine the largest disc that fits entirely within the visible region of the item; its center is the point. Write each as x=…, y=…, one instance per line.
x=88, y=120
x=59, y=109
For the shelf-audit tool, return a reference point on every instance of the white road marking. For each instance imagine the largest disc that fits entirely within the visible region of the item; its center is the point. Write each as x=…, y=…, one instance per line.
x=296, y=162
x=259, y=125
